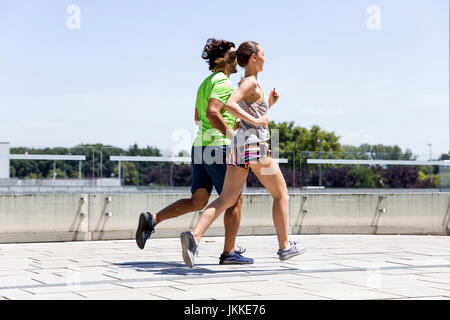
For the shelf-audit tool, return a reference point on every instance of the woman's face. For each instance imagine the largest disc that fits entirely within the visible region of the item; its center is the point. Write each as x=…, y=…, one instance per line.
x=259, y=59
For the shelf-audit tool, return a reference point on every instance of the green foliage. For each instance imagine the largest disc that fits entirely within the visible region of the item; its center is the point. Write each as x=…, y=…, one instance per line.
x=296, y=143
x=12, y=171
x=97, y=162
x=130, y=173
x=378, y=152
x=366, y=177
x=293, y=139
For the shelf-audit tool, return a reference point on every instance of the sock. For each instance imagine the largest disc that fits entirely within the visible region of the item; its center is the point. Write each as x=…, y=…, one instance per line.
x=228, y=253
x=287, y=248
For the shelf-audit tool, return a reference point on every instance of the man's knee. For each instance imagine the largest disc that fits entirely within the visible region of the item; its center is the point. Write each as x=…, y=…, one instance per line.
x=199, y=203
x=238, y=202
x=200, y=199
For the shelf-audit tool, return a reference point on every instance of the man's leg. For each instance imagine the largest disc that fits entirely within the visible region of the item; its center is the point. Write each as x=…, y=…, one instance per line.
x=201, y=188
x=148, y=221
x=232, y=220
x=232, y=217
x=196, y=202
x=234, y=181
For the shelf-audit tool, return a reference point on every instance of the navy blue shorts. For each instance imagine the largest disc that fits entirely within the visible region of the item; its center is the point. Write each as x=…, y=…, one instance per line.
x=209, y=167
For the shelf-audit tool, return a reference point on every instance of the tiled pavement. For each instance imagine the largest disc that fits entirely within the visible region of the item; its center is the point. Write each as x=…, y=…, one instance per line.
x=334, y=267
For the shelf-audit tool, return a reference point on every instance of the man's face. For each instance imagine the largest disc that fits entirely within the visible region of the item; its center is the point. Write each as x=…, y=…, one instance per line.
x=233, y=67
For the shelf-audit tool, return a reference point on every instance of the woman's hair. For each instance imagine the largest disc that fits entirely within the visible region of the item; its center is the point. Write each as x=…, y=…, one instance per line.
x=219, y=53
x=245, y=51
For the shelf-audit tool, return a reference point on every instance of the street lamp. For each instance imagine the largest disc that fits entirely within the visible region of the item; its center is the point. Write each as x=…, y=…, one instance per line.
x=320, y=141
x=431, y=167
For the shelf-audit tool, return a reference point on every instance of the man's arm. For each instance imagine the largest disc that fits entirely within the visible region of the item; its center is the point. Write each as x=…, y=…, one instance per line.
x=215, y=117
x=196, y=118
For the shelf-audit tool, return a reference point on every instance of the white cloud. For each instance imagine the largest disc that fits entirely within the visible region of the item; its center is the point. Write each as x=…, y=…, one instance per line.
x=377, y=85
x=323, y=111
x=358, y=137
x=433, y=100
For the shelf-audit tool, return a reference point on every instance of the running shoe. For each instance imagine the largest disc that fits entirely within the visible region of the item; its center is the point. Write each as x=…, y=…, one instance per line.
x=235, y=258
x=189, y=248
x=145, y=229
x=293, y=251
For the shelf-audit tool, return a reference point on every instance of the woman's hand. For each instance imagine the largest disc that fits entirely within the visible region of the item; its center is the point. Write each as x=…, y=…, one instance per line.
x=273, y=97
x=262, y=121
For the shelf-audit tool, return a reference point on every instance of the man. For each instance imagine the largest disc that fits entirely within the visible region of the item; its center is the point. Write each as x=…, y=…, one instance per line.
x=208, y=153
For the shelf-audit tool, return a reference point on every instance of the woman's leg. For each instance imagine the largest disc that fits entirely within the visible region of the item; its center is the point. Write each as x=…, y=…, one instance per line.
x=232, y=187
x=269, y=174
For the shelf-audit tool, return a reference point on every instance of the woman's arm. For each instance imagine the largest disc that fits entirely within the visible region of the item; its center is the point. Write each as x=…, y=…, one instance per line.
x=273, y=97
x=232, y=105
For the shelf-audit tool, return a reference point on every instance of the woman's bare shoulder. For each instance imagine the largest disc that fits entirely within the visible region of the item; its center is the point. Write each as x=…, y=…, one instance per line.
x=249, y=82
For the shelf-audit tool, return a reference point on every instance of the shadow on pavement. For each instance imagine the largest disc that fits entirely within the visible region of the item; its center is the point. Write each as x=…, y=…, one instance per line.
x=174, y=268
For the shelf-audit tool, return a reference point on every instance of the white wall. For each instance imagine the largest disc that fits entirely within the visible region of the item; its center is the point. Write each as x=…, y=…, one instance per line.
x=59, y=217
x=4, y=160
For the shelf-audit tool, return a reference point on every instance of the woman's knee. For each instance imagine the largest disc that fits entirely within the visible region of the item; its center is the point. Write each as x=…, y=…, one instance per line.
x=229, y=201
x=235, y=203
x=282, y=195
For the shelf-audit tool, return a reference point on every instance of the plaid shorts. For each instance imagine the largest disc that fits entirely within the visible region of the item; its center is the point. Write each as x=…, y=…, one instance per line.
x=249, y=153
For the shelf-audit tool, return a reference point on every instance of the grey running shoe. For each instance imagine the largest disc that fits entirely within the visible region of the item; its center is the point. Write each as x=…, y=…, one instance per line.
x=293, y=251
x=189, y=248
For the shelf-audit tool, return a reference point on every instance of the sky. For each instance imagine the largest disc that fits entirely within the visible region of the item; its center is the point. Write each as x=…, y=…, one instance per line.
x=125, y=72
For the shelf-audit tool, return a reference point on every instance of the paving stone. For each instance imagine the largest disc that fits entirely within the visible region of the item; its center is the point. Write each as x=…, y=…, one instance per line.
x=121, y=294
x=12, y=294
x=426, y=298
x=55, y=296
x=419, y=291
x=334, y=267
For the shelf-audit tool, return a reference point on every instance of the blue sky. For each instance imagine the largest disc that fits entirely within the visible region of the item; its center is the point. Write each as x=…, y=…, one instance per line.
x=130, y=73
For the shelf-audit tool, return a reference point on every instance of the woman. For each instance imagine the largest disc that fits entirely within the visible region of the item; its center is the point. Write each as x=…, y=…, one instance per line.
x=249, y=152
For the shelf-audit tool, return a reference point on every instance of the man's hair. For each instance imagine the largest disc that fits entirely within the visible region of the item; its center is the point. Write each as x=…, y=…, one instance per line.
x=219, y=53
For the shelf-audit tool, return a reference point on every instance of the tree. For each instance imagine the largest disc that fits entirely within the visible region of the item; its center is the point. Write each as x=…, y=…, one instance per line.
x=365, y=177
x=339, y=177
x=59, y=174
x=129, y=173
x=401, y=176
x=378, y=152
x=295, y=140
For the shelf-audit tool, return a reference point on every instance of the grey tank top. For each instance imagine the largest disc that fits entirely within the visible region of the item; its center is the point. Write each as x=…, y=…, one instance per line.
x=249, y=133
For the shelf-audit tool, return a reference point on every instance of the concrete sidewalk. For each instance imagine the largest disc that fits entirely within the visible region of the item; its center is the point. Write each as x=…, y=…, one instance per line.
x=334, y=267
